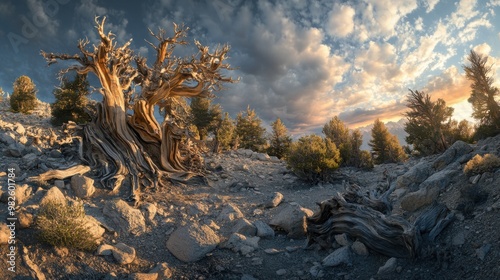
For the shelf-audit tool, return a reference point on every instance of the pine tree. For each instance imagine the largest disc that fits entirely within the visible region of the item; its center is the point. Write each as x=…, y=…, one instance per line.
x=313, y=158
x=249, y=130
x=71, y=101
x=484, y=94
x=225, y=132
x=384, y=145
x=23, y=97
x=279, y=139
x=426, y=123
x=205, y=115
x=347, y=142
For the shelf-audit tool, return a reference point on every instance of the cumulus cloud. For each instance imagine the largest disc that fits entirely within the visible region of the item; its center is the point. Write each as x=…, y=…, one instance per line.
x=341, y=21
x=43, y=18
x=430, y=5
x=451, y=86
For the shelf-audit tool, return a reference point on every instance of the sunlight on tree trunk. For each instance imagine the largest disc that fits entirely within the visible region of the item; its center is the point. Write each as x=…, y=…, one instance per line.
x=117, y=145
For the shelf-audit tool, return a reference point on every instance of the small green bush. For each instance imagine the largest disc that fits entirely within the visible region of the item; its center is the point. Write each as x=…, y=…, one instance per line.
x=63, y=224
x=480, y=164
x=23, y=99
x=313, y=158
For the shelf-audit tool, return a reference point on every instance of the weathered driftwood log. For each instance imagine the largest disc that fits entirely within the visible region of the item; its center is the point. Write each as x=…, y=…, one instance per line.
x=389, y=235
x=60, y=174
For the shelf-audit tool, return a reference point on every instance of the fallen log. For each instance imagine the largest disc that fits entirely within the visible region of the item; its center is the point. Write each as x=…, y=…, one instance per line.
x=390, y=235
x=60, y=174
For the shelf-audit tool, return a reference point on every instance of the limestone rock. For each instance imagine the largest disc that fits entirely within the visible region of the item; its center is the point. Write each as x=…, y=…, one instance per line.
x=388, y=267
x=7, y=138
x=243, y=226
x=263, y=229
x=275, y=200
x=240, y=243
x=123, y=253
x=105, y=250
x=440, y=180
x=59, y=183
x=162, y=270
x=292, y=219
x=192, y=242
x=338, y=257
x=418, y=199
x=83, y=186
x=25, y=219
x=124, y=218
x=359, y=248
x=19, y=129
x=4, y=234
x=457, y=150
x=143, y=276
x=22, y=193
x=415, y=175
x=94, y=227
x=149, y=212
x=343, y=239
x=54, y=194
x=230, y=213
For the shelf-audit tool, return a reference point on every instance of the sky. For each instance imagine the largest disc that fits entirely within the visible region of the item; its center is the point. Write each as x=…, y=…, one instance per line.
x=302, y=61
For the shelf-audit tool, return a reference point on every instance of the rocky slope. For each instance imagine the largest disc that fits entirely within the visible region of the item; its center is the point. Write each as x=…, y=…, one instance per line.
x=247, y=223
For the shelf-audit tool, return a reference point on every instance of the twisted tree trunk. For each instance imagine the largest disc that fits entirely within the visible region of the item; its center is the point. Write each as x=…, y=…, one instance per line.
x=360, y=218
x=117, y=145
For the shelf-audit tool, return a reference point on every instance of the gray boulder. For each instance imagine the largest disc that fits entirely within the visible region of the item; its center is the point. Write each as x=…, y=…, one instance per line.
x=83, y=186
x=240, y=243
x=243, y=226
x=124, y=218
x=453, y=153
x=292, y=219
x=54, y=194
x=416, y=175
x=338, y=257
x=275, y=200
x=123, y=253
x=192, y=242
x=229, y=213
x=263, y=229
x=388, y=267
x=423, y=197
x=7, y=138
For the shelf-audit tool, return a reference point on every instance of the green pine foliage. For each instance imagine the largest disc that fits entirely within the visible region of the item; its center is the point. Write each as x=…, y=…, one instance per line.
x=484, y=95
x=205, y=116
x=426, y=123
x=279, y=140
x=249, y=130
x=313, y=158
x=71, y=101
x=225, y=132
x=385, y=146
x=347, y=142
x=23, y=99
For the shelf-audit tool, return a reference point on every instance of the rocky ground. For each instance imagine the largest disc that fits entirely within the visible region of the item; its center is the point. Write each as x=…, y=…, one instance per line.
x=247, y=223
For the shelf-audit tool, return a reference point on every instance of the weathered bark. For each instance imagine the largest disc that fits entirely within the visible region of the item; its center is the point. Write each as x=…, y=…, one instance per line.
x=117, y=145
x=60, y=174
x=389, y=235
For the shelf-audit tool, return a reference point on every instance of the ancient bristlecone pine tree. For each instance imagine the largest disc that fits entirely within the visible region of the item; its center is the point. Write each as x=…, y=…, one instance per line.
x=116, y=144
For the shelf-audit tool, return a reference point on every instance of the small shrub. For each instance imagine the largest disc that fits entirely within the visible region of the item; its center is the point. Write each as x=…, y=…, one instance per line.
x=313, y=158
x=63, y=224
x=23, y=99
x=480, y=164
